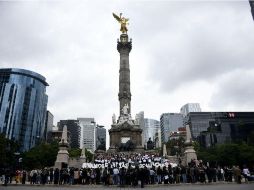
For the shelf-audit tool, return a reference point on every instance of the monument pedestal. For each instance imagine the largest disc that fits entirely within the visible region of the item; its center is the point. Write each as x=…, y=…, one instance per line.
x=189, y=154
x=62, y=158
x=122, y=134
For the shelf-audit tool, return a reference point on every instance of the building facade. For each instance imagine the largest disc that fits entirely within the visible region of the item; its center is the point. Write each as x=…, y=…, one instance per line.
x=74, y=129
x=252, y=8
x=56, y=135
x=140, y=119
x=210, y=128
x=88, y=133
x=23, y=106
x=190, y=107
x=187, y=108
x=170, y=122
x=48, y=125
x=100, y=138
x=157, y=140
x=150, y=129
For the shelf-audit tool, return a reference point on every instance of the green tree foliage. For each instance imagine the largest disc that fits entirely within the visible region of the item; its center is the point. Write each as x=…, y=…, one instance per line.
x=74, y=152
x=227, y=154
x=7, y=152
x=43, y=155
x=250, y=138
x=89, y=155
x=176, y=146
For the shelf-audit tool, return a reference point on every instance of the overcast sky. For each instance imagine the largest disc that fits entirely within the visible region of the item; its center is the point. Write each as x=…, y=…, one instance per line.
x=189, y=51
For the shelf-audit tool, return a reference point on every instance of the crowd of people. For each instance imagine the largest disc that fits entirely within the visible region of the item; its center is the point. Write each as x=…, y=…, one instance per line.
x=112, y=173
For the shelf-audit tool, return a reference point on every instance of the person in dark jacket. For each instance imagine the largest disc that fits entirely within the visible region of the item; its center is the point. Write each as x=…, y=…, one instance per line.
x=142, y=173
x=165, y=175
x=56, y=176
x=159, y=175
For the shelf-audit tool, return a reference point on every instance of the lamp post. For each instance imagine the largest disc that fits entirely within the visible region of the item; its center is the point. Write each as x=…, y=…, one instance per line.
x=37, y=140
x=17, y=154
x=16, y=159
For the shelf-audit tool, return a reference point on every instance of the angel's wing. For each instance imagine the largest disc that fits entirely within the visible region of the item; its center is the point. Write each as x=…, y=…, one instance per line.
x=116, y=17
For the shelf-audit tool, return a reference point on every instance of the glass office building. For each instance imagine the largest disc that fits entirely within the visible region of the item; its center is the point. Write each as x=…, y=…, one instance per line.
x=210, y=128
x=23, y=106
x=151, y=128
x=170, y=122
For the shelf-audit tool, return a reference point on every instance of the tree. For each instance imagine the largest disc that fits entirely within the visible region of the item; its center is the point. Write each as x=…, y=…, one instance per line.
x=89, y=155
x=7, y=149
x=227, y=154
x=74, y=152
x=176, y=146
x=43, y=155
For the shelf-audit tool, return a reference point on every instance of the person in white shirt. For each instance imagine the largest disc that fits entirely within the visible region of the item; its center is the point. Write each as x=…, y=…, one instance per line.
x=246, y=173
x=115, y=176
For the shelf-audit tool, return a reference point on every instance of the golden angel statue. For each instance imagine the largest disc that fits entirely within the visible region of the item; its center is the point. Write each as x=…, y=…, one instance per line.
x=123, y=21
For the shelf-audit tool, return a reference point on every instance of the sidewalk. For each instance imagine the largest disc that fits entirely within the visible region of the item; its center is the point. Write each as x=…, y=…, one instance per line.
x=117, y=186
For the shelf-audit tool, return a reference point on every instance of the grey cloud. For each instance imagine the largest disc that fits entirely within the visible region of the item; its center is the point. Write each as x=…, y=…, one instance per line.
x=202, y=47
x=73, y=44
x=236, y=91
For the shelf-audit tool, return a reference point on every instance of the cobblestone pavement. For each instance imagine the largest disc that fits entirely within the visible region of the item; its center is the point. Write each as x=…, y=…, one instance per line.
x=214, y=186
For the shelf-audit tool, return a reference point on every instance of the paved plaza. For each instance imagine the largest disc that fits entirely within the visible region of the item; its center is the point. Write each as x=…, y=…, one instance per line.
x=232, y=186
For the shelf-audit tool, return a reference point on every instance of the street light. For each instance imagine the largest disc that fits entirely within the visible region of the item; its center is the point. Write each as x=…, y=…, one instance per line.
x=16, y=159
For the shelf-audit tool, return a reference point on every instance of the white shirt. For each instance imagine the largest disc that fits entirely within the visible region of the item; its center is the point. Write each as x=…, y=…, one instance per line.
x=115, y=171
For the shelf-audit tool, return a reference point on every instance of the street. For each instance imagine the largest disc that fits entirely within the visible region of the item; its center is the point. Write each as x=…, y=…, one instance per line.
x=171, y=187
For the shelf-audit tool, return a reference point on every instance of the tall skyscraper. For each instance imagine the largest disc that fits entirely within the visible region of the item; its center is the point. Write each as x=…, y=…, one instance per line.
x=48, y=125
x=73, y=128
x=252, y=8
x=211, y=128
x=100, y=138
x=150, y=129
x=23, y=106
x=187, y=108
x=140, y=119
x=157, y=140
x=88, y=133
x=190, y=107
x=170, y=122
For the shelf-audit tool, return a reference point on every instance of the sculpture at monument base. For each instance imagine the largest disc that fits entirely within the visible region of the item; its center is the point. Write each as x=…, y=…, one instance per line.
x=150, y=144
x=62, y=159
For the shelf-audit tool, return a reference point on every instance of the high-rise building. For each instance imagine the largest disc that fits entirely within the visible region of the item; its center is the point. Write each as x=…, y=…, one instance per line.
x=140, y=119
x=23, y=106
x=150, y=129
x=88, y=133
x=74, y=128
x=157, y=140
x=100, y=138
x=187, y=108
x=211, y=128
x=48, y=125
x=170, y=122
x=190, y=107
x=252, y=8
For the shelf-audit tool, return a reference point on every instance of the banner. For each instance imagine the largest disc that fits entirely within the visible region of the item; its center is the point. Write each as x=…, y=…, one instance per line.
x=126, y=165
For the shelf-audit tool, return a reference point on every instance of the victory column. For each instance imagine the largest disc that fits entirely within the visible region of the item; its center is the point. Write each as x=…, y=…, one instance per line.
x=125, y=133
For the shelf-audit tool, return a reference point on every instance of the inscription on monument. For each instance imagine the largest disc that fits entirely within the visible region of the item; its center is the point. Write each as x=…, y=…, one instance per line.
x=125, y=139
